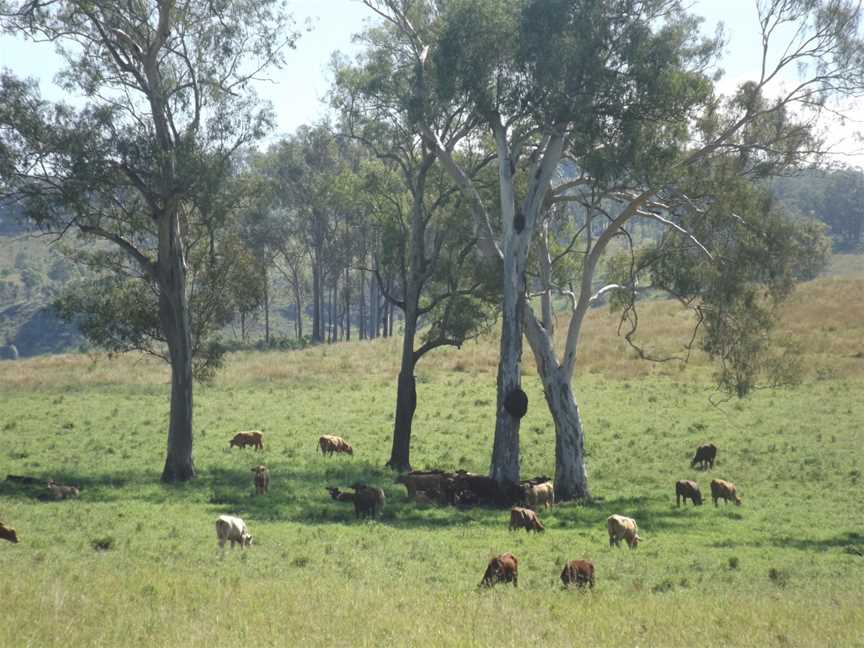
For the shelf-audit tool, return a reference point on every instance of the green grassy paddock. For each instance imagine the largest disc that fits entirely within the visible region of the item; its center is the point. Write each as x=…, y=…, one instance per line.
x=784, y=569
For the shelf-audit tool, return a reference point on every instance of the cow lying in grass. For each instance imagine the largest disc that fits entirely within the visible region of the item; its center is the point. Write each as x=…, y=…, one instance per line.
x=622, y=527
x=687, y=489
x=721, y=489
x=8, y=533
x=233, y=529
x=579, y=573
x=252, y=438
x=328, y=444
x=501, y=569
x=60, y=491
x=523, y=518
x=262, y=479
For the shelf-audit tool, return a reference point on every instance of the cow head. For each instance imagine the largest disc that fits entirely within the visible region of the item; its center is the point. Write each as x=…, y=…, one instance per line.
x=635, y=541
x=247, y=539
x=697, y=497
x=737, y=501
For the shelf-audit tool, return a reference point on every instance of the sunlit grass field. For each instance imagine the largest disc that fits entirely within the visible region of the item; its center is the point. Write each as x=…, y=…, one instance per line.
x=784, y=569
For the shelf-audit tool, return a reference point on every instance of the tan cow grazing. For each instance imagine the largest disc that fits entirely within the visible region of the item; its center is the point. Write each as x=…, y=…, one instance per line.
x=540, y=494
x=721, y=489
x=687, y=489
x=523, y=518
x=578, y=572
x=262, y=479
x=8, y=533
x=59, y=491
x=622, y=527
x=253, y=438
x=501, y=569
x=233, y=529
x=328, y=444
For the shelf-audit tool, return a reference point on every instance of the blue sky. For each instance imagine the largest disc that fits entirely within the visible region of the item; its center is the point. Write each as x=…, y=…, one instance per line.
x=297, y=90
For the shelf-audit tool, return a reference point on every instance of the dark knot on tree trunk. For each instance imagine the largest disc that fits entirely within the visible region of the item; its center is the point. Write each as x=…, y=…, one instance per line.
x=516, y=403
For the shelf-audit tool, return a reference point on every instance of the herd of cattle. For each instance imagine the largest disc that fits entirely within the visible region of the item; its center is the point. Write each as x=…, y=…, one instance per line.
x=458, y=488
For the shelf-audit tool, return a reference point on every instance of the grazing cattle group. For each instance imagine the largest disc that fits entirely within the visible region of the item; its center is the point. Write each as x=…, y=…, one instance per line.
x=459, y=488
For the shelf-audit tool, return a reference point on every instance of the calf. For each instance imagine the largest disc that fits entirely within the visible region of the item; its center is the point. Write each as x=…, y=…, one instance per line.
x=578, y=572
x=501, y=569
x=687, y=489
x=262, y=479
x=368, y=500
x=724, y=490
x=523, y=518
x=536, y=494
x=8, y=533
x=328, y=444
x=248, y=438
x=622, y=527
x=59, y=491
x=705, y=455
x=229, y=527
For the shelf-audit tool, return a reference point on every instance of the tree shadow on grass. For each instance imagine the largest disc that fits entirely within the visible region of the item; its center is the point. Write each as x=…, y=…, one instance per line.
x=852, y=542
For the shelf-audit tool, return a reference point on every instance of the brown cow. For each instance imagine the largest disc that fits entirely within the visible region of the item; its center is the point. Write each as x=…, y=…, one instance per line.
x=705, y=455
x=262, y=479
x=368, y=500
x=501, y=569
x=523, y=518
x=60, y=491
x=248, y=438
x=622, y=527
x=578, y=572
x=328, y=444
x=724, y=490
x=8, y=533
x=687, y=489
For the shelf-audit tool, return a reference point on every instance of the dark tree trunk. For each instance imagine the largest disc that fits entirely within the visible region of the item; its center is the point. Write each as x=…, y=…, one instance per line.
x=317, y=301
x=361, y=321
x=406, y=405
x=347, y=306
x=174, y=318
x=266, y=308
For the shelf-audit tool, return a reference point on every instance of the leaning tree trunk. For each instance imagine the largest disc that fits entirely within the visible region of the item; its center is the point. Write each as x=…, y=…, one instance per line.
x=174, y=318
x=571, y=477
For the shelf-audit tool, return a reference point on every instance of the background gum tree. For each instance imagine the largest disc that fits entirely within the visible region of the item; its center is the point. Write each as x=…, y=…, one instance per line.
x=168, y=102
x=427, y=241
